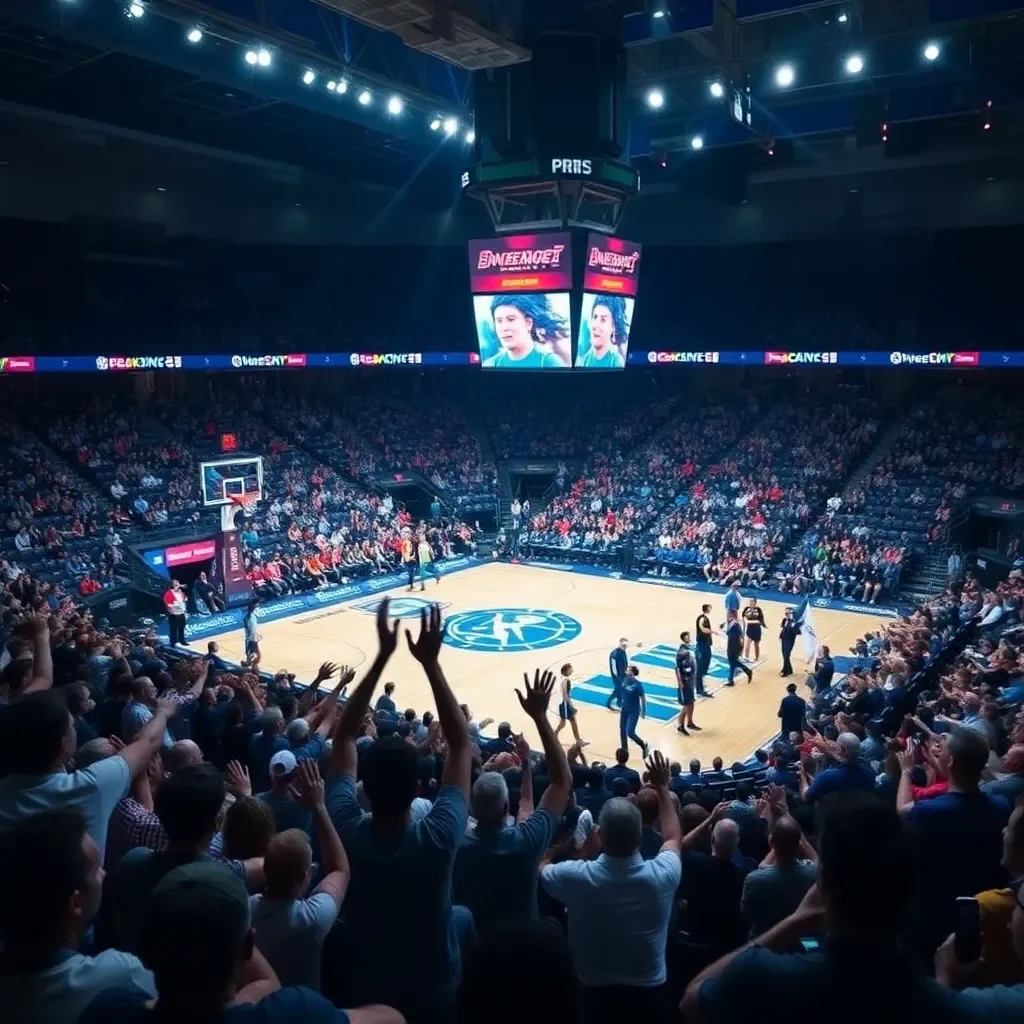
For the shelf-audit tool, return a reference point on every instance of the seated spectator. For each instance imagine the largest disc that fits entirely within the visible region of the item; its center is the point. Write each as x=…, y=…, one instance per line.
x=43, y=976
x=621, y=770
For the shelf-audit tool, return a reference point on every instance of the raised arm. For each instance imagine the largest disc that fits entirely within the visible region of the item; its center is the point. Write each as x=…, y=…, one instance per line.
x=309, y=789
x=320, y=718
x=343, y=751
x=425, y=650
x=526, y=780
x=149, y=738
x=535, y=703
x=308, y=698
x=671, y=831
x=42, y=656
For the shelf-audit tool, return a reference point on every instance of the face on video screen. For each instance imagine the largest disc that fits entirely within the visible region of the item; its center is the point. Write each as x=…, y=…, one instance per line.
x=526, y=331
x=604, y=331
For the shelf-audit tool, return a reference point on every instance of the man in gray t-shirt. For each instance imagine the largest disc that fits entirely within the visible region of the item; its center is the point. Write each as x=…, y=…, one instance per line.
x=775, y=890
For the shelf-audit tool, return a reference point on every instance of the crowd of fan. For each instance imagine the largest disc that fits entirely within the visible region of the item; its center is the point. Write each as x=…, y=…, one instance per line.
x=623, y=493
x=271, y=853
x=737, y=517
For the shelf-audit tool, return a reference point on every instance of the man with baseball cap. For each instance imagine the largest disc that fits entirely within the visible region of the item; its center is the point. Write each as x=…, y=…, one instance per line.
x=198, y=942
x=288, y=812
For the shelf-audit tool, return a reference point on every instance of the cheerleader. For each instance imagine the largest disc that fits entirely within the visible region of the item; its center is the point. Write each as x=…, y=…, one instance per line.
x=753, y=622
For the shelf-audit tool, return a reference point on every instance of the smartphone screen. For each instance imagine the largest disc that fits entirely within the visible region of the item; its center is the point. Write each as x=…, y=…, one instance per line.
x=967, y=943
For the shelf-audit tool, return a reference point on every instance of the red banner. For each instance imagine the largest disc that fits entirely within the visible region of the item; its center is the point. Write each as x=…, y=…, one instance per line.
x=613, y=265
x=184, y=554
x=521, y=263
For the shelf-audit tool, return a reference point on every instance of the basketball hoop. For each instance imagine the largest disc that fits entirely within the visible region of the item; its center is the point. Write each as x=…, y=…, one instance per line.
x=245, y=502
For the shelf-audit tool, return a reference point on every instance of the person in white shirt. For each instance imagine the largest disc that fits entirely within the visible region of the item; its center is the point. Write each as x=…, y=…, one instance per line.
x=290, y=930
x=619, y=906
x=44, y=979
x=37, y=740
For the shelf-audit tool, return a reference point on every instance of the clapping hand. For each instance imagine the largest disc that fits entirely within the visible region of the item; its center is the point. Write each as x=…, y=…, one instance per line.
x=538, y=696
x=308, y=787
x=168, y=707
x=426, y=648
x=238, y=779
x=657, y=770
x=907, y=758
x=387, y=635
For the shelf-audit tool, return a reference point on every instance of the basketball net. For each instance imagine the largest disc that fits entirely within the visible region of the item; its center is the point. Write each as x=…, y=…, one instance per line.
x=228, y=512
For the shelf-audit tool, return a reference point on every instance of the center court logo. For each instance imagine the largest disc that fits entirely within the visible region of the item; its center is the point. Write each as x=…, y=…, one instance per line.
x=510, y=630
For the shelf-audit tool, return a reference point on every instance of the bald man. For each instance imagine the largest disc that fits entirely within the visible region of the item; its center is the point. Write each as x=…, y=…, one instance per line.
x=775, y=889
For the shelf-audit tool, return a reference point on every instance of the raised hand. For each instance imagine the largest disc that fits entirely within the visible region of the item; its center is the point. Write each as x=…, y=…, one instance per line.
x=538, y=696
x=387, y=634
x=326, y=670
x=168, y=707
x=522, y=748
x=308, y=787
x=347, y=675
x=238, y=781
x=906, y=758
x=428, y=645
x=657, y=769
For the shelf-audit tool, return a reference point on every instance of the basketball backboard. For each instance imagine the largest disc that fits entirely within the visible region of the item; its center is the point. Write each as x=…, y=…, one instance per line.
x=225, y=479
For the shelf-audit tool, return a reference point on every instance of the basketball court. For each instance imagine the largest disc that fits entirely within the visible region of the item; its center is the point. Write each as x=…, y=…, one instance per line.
x=504, y=620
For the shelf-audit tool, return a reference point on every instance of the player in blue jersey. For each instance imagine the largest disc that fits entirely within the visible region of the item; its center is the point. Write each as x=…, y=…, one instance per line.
x=526, y=327
x=609, y=330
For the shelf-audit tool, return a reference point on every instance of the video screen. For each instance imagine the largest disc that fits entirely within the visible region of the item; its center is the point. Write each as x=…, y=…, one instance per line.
x=613, y=265
x=524, y=331
x=225, y=478
x=604, y=331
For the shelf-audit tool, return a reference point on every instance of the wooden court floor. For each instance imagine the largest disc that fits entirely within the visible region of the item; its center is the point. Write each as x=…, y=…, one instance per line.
x=505, y=620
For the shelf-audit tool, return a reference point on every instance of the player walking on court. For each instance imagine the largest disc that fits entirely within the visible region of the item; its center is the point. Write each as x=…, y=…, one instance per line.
x=566, y=709
x=252, y=635
x=408, y=556
x=617, y=662
x=426, y=557
x=686, y=673
x=754, y=624
x=634, y=707
x=734, y=648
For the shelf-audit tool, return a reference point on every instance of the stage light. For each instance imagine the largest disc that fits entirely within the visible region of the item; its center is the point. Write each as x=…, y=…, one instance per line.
x=655, y=99
x=135, y=9
x=785, y=76
x=308, y=76
x=194, y=34
x=986, y=126
x=932, y=51
x=342, y=87
x=659, y=13
x=395, y=105
x=332, y=85
x=251, y=57
x=470, y=137
x=435, y=124
x=843, y=18
x=365, y=97
x=854, y=64
x=160, y=188
x=697, y=142
x=263, y=57
x=451, y=126
x=717, y=90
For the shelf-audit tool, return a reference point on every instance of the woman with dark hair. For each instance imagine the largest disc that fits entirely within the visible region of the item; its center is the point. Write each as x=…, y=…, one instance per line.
x=527, y=329
x=609, y=334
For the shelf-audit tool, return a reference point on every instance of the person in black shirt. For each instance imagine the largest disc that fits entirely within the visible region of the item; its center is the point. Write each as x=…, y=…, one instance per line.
x=733, y=649
x=787, y=638
x=686, y=672
x=753, y=621
x=824, y=670
x=703, y=652
x=792, y=711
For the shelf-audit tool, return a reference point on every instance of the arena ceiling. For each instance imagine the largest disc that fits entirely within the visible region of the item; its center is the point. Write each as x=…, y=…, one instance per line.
x=90, y=61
